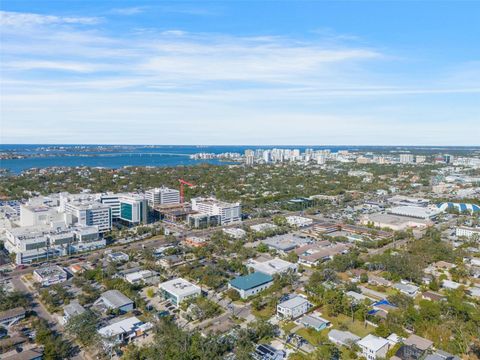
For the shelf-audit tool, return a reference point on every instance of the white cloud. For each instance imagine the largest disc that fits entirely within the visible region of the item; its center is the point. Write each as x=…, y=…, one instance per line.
x=81, y=67
x=18, y=20
x=129, y=10
x=182, y=87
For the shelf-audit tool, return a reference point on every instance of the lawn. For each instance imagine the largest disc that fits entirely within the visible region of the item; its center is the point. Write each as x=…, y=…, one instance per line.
x=266, y=313
x=347, y=354
x=357, y=327
x=313, y=336
x=288, y=326
x=382, y=289
x=298, y=356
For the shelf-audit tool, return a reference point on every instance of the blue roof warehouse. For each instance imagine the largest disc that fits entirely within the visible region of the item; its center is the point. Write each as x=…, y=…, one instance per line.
x=251, y=284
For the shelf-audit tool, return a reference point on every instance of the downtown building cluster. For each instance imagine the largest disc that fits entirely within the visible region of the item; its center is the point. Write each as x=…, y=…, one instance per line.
x=320, y=157
x=287, y=155
x=64, y=224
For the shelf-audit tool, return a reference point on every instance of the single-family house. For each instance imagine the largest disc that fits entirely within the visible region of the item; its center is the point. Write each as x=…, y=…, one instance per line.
x=313, y=321
x=373, y=347
x=342, y=338
x=292, y=308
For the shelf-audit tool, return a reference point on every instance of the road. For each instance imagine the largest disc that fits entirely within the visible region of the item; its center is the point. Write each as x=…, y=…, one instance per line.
x=36, y=306
x=43, y=313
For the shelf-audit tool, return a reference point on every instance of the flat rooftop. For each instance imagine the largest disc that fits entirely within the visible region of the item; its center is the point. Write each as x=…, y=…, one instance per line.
x=251, y=281
x=52, y=270
x=272, y=266
x=414, y=211
x=395, y=219
x=116, y=298
x=120, y=327
x=179, y=287
x=286, y=242
x=293, y=302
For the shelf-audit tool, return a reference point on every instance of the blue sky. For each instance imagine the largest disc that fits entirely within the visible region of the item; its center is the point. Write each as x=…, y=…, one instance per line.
x=241, y=72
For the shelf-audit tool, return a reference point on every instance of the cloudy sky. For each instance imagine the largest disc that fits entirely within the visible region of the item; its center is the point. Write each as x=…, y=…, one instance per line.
x=246, y=72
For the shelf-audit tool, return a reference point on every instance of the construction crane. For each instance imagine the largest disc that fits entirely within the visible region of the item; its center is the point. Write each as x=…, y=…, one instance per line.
x=182, y=183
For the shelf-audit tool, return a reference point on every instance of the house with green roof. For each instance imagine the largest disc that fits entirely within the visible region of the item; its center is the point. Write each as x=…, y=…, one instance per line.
x=251, y=284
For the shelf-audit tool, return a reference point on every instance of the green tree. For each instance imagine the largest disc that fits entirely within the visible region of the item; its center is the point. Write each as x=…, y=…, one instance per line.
x=83, y=328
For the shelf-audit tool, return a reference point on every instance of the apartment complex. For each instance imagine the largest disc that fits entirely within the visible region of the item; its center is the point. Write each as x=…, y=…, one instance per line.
x=407, y=158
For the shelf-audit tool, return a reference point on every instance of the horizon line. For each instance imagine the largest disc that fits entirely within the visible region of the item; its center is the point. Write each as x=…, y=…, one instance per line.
x=244, y=145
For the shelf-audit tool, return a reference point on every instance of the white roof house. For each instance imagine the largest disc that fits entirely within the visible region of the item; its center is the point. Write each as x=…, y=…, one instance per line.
x=407, y=289
x=357, y=297
x=293, y=307
x=140, y=276
x=119, y=327
x=236, y=233
x=449, y=284
x=344, y=338
x=374, y=347
x=271, y=267
x=124, y=329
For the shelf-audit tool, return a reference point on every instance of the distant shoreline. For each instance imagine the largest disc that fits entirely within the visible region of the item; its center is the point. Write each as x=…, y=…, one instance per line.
x=16, y=158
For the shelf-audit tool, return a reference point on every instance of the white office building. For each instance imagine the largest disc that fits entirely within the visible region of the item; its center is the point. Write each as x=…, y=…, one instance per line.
x=178, y=290
x=272, y=267
x=133, y=209
x=50, y=275
x=418, y=212
x=33, y=215
x=113, y=201
x=162, y=196
x=87, y=239
x=90, y=214
x=33, y=243
x=228, y=212
x=420, y=159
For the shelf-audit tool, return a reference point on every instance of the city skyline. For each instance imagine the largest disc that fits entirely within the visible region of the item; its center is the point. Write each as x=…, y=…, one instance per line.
x=256, y=73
